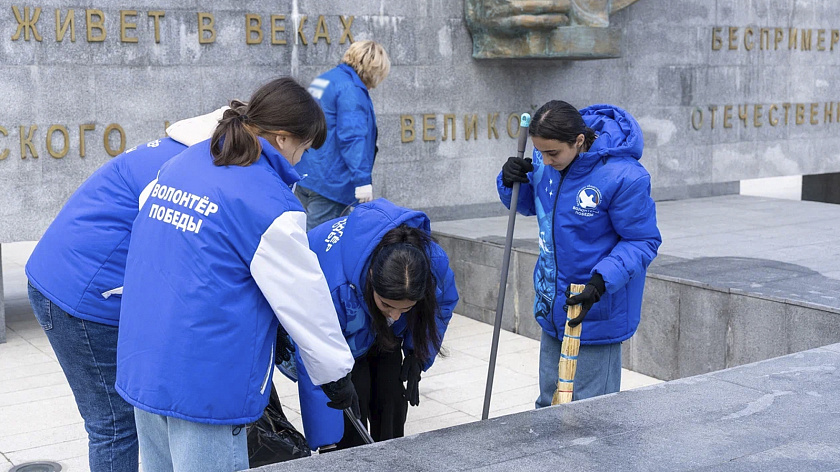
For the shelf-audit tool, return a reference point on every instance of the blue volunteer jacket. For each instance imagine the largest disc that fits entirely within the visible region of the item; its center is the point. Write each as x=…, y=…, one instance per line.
x=344, y=247
x=217, y=256
x=79, y=262
x=596, y=216
x=345, y=161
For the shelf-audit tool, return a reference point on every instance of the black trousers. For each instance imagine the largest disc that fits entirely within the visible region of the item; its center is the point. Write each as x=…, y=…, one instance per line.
x=376, y=376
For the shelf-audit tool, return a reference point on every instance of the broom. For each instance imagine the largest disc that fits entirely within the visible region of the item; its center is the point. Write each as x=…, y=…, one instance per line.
x=568, y=354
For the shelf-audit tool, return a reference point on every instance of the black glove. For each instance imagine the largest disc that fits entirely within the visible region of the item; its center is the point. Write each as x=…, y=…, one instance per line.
x=284, y=348
x=342, y=395
x=516, y=170
x=412, y=367
x=591, y=294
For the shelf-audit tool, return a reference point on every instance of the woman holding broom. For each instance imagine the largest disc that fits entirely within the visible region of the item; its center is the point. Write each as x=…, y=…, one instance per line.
x=597, y=226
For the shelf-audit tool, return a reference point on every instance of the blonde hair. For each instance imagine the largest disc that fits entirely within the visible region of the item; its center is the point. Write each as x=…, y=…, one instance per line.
x=369, y=60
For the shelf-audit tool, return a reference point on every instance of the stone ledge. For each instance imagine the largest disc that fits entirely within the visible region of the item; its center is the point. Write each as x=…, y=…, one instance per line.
x=770, y=415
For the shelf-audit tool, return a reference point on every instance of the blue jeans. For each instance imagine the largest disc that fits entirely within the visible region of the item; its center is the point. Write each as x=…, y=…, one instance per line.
x=170, y=444
x=319, y=209
x=598, y=370
x=87, y=352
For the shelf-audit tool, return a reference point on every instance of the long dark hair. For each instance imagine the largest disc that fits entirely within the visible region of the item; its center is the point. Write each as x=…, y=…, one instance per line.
x=561, y=121
x=280, y=105
x=400, y=269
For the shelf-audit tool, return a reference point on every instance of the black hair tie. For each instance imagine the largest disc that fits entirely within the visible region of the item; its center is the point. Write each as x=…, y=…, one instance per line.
x=243, y=118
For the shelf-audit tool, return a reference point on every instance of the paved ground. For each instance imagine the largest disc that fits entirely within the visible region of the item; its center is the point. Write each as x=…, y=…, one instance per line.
x=39, y=419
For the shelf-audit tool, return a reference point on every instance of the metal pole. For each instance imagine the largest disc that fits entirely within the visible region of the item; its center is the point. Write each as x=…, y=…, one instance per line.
x=524, y=121
x=359, y=426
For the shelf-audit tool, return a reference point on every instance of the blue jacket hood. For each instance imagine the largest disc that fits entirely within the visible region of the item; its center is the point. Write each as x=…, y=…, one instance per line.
x=619, y=134
x=365, y=228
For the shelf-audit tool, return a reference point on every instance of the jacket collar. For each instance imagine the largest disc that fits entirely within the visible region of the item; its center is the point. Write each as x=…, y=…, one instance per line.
x=353, y=76
x=278, y=163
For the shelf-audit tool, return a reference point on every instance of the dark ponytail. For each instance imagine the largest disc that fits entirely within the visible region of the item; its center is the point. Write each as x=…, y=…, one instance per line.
x=400, y=269
x=280, y=105
x=561, y=121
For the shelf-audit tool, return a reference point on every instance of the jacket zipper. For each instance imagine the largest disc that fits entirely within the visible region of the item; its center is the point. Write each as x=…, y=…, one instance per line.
x=553, y=243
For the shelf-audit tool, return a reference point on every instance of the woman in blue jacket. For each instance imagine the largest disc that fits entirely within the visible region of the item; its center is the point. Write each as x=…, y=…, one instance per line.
x=338, y=174
x=394, y=293
x=597, y=226
x=218, y=256
x=75, y=284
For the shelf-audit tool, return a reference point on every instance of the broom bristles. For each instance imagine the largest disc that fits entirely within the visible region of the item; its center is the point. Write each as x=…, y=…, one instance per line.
x=568, y=355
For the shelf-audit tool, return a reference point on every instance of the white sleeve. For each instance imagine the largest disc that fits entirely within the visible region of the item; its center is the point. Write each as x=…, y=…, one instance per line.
x=197, y=129
x=290, y=278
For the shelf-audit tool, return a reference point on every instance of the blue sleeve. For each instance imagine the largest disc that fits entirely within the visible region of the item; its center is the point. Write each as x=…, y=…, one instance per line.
x=353, y=132
x=633, y=215
x=526, y=205
x=322, y=425
x=446, y=294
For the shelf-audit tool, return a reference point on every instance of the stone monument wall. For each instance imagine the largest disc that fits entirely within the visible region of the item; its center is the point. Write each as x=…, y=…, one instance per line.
x=724, y=90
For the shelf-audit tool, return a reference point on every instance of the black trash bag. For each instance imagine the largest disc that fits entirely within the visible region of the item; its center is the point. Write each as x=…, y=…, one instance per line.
x=272, y=438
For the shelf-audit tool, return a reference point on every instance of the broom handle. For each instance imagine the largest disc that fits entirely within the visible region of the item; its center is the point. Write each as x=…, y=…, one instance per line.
x=567, y=367
x=524, y=121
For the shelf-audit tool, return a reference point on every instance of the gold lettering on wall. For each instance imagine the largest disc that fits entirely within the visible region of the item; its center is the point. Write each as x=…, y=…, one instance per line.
x=61, y=28
x=66, y=147
x=5, y=153
x=300, y=31
x=470, y=127
x=26, y=141
x=321, y=31
x=491, y=125
x=407, y=134
x=733, y=38
x=346, y=35
x=727, y=115
x=758, y=114
x=106, y=139
x=773, y=120
x=448, y=121
x=800, y=113
x=98, y=24
x=428, y=127
x=125, y=26
x=156, y=15
x=26, y=24
x=513, y=118
x=773, y=38
x=277, y=28
x=82, y=129
x=697, y=118
x=206, y=24
x=748, y=38
x=95, y=25
x=253, y=25
x=717, y=41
